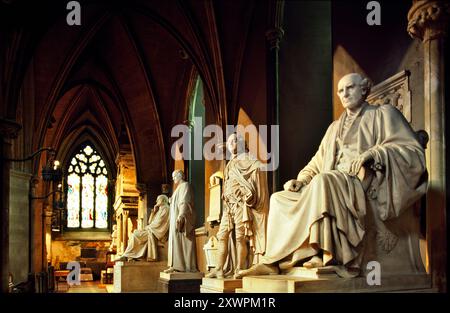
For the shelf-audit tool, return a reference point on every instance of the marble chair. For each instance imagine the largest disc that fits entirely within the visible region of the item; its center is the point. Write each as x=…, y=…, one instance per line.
x=393, y=243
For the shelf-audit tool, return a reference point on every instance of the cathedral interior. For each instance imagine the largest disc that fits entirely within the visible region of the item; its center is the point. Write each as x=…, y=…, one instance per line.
x=88, y=109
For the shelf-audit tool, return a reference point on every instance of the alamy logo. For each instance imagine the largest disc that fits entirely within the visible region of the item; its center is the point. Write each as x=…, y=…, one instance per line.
x=374, y=16
x=187, y=147
x=374, y=275
x=73, y=278
x=74, y=16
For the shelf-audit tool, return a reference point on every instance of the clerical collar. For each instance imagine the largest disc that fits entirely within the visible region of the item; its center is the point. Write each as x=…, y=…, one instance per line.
x=348, y=119
x=352, y=115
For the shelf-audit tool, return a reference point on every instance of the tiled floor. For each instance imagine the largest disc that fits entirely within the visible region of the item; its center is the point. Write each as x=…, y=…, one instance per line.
x=85, y=287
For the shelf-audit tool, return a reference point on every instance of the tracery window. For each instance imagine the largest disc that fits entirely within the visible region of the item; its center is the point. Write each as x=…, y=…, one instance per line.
x=87, y=190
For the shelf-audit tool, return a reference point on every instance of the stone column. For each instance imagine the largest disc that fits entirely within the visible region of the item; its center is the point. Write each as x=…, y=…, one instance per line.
x=8, y=131
x=125, y=214
x=119, y=234
x=273, y=37
x=142, y=206
x=428, y=21
x=33, y=232
x=48, y=214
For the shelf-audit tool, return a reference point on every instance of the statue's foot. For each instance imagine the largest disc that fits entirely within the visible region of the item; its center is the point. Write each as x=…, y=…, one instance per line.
x=237, y=275
x=121, y=259
x=169, y=270
x=314, y=262
x=258, y=269
x=215, y=274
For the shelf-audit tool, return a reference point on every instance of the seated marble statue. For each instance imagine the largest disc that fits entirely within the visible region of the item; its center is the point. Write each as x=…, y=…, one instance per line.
x=182, y=248
x=319, y=218
x=144, y=243
x=245, y=199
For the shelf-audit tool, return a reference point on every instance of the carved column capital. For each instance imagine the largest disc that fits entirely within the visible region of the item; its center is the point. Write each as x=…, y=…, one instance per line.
x=274, y=36
x=9, y=129
x=142, y=188
x=428, y=19
x=165, y=189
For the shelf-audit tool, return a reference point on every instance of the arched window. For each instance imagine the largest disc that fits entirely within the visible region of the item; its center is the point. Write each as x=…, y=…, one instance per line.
x=197, y=166
x=87, y=190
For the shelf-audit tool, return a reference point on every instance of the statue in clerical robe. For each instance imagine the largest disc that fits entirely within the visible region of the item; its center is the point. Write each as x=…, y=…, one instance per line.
x=144, y=243
x=182, y=248
x=319, y=218
x=245, y=200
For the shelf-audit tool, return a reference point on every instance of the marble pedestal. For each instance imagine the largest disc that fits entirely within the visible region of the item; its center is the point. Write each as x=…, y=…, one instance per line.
x=180, y=282
x=297, y=284
x=217, y=285
x=140, y=276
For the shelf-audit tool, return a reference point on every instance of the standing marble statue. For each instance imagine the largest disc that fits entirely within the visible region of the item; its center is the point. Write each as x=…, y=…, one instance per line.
x=182, y=251
x=246, y=205
x=146, y=240
x=318, y=219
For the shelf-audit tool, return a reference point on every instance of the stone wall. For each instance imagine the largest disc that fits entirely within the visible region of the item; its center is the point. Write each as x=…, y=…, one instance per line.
x=305, y=83
x=377, y=51
x=70, y=250
x=19, y=226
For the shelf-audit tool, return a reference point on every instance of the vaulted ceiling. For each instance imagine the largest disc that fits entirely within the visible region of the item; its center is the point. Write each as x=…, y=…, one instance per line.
x=130, y=67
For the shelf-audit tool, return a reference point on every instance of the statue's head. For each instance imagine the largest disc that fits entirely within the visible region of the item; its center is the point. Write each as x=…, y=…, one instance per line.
x=162, y=199
x=353, y=90
x=236, y=144
x=177, y=176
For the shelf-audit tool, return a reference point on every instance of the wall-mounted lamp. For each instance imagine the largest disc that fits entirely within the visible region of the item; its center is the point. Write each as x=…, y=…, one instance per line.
x=51, y=171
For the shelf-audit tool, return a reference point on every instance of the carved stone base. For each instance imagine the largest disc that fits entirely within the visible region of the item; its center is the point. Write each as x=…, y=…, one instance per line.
x=293, y=284
x=313, y=273
x=180, y=282
x=138, y=276
x=217, y=285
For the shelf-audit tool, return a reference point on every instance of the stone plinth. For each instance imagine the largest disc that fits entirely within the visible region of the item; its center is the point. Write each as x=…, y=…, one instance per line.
x=314, y=273
x=180, y=282
x=140, y=276
x=217, y=285
x=296, y=284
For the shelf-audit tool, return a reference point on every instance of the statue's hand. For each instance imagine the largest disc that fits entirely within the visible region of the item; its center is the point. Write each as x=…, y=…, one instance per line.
x=293, y=185
x=358, y=162
x=180, y=224
x=155, y=208
x=287, y=185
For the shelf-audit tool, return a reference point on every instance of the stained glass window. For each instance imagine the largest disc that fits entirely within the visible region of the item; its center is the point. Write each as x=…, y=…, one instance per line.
x=87, y=190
